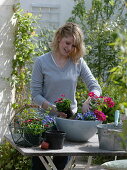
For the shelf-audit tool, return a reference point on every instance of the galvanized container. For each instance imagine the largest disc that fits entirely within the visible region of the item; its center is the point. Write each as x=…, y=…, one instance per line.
x=109, y=138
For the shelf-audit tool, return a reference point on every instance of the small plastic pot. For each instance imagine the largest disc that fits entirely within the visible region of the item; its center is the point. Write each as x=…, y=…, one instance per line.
x=55, y=139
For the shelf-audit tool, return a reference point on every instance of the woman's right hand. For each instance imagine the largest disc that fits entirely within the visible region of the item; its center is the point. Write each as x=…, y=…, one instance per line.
x=52, y=108
x=61, y=114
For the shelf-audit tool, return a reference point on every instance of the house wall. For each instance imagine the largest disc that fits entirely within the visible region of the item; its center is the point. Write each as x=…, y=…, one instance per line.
x=65, y=7
x=7, y=29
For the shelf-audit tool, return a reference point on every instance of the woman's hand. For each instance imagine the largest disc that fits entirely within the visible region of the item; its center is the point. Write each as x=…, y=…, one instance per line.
x=61, y=114
x=52, y=108
x=86, y=105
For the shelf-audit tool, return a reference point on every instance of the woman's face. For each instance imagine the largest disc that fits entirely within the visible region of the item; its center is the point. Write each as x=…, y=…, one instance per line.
x=66, y=46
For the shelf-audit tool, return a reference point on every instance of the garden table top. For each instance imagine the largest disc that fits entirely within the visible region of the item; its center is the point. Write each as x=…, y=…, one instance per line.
x=90, y=148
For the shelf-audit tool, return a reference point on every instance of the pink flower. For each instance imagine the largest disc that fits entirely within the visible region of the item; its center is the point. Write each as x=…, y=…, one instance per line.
x=111, y=104
x=31, y=120
x=99, y=104
x=59, y=100
x=100, y=115
x=107, y=99
x=46, y=125
x=62, y=95
x=27, y=121
x=91, y=94
x=101, y=97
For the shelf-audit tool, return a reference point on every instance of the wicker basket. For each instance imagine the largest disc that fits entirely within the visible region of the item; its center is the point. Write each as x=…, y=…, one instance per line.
x=17, y=131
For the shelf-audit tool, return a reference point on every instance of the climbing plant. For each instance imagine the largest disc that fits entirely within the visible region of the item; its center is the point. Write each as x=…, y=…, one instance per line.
x=24, y=50
x=44, y=39
x=30, y=41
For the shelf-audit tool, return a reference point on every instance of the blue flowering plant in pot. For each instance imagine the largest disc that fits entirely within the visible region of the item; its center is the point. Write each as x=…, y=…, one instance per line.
x=37, y=126
x=29, y=124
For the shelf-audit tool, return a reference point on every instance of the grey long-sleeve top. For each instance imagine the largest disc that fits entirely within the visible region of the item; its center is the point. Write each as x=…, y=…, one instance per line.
x=49, y=81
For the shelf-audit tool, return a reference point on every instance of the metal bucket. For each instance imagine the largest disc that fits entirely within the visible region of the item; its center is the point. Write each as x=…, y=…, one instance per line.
x=109, y=138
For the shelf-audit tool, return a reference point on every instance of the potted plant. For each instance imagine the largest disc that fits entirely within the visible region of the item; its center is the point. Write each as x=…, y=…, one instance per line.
x=82, y=126
x=28, y=125
x=97, y=105
x=64, y=105
x=33, y=129
x=51, y=135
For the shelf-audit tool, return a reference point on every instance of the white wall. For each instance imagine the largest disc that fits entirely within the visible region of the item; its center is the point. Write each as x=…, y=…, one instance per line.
x=7, y=29
x=66, y=7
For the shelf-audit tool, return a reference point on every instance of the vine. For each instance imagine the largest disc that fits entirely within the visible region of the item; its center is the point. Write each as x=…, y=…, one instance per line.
x=25, y=50
x=28, y=44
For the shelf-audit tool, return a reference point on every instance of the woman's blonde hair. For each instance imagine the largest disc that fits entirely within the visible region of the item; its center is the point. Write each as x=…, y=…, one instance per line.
x=70, y=29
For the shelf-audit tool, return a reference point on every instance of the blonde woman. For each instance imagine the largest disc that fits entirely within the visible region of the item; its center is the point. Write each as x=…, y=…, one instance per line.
x=57, y=72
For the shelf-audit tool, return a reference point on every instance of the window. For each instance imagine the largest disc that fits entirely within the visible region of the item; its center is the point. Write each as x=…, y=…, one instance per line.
x=49, y=14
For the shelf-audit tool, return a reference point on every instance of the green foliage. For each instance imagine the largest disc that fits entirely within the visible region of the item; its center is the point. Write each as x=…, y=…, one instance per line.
x=24, y=49
x=30, y=41
x=98, y=24
x=118, y=76
x=111, y=91
x=63, y=104
x=108, y=89
x=27, y=113
x=10, y=158
x=81, y=94
x=30, y=120
x=35, y=127
x=43, y=41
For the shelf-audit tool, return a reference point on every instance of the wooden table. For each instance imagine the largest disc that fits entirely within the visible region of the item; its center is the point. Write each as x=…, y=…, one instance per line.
x=90, y=148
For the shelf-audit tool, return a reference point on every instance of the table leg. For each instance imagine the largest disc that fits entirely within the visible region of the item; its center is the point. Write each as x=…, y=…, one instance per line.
x=115, y=158
x=49, y=159
x=88, y=162
x=45, y=163
x=69, y=164
x=49, y=165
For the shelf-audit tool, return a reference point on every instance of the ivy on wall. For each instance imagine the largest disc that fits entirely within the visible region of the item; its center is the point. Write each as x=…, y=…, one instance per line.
x=24, y=50
x=30, y=41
